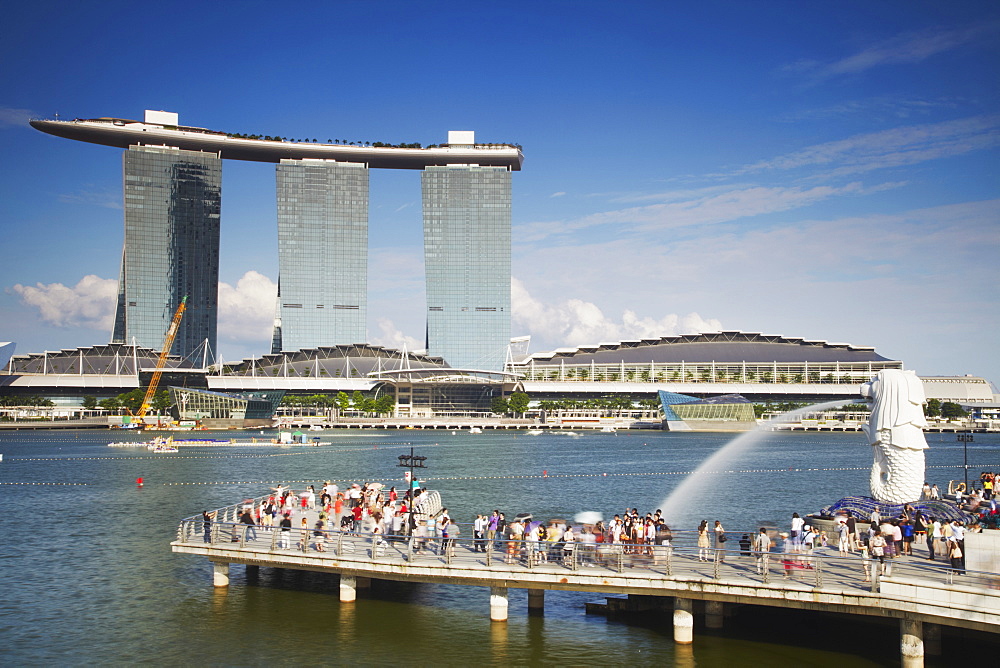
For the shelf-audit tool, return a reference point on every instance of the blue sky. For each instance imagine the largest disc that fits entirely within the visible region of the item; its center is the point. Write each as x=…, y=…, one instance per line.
x=827, y=171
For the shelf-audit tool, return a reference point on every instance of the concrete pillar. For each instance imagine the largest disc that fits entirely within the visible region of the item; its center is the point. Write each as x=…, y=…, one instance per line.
x=932, y=639
x=683, y=621
x=348, y=589
x=714, y=614
x=911, y=643
x=536, y=599
x=498, y=604
x=220, y=574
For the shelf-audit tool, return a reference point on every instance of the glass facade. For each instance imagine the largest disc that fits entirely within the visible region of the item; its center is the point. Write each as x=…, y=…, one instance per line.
x=203, y=404
x=467, y=263
x=322, y=254
x=449, y=398
x=172, y=205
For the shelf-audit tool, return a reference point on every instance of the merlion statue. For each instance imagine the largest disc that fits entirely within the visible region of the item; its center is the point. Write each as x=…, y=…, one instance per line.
x=895, y=431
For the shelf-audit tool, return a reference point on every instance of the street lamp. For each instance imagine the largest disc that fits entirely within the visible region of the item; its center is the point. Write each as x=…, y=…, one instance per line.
x=965, y=438
x=411, y=461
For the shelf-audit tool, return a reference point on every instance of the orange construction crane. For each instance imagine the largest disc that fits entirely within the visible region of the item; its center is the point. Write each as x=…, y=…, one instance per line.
x=168, y=343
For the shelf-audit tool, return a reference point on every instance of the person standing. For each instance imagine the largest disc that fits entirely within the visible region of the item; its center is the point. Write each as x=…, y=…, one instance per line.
x=958, y=537
x=762, y=550
x=843, y=539
x=957, y=556
x=479, y=533
x=206, y=519
x=933, y=537
x=907, y=531
x=797, y=524
x=877, y=544
x=285, y=527
x=720, y=542
x=703, y=541
x=250, y=531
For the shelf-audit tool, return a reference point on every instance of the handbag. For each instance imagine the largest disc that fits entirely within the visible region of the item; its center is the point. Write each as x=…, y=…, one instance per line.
x=722, y=538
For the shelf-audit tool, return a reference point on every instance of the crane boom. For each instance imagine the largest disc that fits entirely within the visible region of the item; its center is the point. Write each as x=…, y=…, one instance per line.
x=168, y=343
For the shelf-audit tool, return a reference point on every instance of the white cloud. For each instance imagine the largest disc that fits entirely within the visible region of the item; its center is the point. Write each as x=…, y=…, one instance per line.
x=575, y=322
x=246, y=310
x=878, y=108
x=891, y=148
x=558, y=194
x=710, y=208
x=105, y=198
x=391, y=337
x=90, y=303
x=907, y=48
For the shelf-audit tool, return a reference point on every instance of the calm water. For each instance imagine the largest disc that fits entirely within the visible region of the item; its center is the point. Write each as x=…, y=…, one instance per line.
x=88, y=576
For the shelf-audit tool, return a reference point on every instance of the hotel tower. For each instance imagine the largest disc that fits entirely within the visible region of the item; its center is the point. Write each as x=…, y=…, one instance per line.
x=172, y=188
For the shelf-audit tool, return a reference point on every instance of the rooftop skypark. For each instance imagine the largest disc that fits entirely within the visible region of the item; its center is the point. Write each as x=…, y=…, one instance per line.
x=163, y=129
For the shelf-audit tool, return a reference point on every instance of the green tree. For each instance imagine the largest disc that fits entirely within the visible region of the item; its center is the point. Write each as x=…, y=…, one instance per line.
x=343, y=401
x=111, y=404
x=385, y=404
x=952, y=411
x=131, y=401
x=933, y=408
x=89, y=402
x=499, y=405
x=161, y=402
x=519, y=402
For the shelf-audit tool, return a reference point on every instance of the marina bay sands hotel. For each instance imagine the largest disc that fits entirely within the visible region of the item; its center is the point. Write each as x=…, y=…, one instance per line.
x=172, y=176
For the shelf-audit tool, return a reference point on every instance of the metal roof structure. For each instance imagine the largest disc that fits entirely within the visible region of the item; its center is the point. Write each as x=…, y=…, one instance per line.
x=722, y=347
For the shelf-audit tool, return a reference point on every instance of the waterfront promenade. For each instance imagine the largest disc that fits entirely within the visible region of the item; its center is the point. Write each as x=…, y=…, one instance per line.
x=922, y=595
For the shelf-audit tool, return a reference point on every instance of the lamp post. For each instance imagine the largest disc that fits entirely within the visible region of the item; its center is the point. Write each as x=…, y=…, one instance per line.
x=965, y=438
x=411, y=461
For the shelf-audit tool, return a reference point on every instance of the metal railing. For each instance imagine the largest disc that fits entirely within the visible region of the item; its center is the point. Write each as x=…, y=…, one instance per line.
x=681, y=559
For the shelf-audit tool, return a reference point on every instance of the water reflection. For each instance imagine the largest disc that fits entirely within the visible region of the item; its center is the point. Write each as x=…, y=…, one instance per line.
x=684, y=656
x=499, y=639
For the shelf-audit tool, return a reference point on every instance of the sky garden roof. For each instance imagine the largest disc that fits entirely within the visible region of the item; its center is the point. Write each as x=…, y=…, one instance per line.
x=123, y=133
x=721, y=347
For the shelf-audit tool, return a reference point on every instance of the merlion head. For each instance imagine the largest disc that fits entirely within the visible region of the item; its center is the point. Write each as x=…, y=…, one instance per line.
x=897, y=398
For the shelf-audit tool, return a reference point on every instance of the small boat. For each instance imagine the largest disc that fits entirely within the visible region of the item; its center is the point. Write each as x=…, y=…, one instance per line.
x=534, y=432
x=608, y=430
x=164, y=448
x=475, y=430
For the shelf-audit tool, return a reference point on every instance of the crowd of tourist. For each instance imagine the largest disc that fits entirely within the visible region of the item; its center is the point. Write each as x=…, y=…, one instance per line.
x=385, y=515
